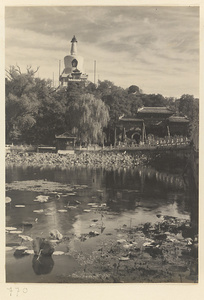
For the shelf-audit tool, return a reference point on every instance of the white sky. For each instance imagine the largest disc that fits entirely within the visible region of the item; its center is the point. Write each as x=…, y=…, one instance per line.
x=155, y=48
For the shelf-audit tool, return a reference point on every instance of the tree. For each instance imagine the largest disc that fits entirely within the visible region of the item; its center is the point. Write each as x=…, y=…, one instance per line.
x=171, y=103
x=189, y=106
x=153, y=100
x=50, y=119
x=104, y=88
x=87, y=117
x=135, y=102
x=21, y=104
x=134, y=89
x=186, y=104
x=74, y=91
x=91, y=88
x=35, y=112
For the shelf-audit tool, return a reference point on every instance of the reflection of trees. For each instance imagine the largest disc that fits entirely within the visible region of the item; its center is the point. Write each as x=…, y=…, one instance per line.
x=140, y=177
x=143, y=186
x=170, y=180
x=121, y=189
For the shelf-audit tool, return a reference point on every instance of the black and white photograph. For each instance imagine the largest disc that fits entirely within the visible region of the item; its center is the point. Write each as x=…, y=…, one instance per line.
x=102, y=144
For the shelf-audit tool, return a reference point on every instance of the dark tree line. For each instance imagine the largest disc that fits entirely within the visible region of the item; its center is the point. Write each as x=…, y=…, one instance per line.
x=36, y=112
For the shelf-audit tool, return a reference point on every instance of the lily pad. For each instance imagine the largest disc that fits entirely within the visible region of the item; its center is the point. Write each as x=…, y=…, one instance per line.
x=71, y=207
x=11, y=228
x=12, y=244
x=49, y=214
x=54, y=241
x=25, y=237
x=9, y=248
x=38, y=211
x=39, y=186
x=29, y=251
x=8, y=199
x=58, y=252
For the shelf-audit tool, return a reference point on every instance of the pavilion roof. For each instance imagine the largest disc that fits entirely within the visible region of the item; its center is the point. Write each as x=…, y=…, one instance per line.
x=178, y=119
x=126, y=119
x=154, y=110
x=65, y=135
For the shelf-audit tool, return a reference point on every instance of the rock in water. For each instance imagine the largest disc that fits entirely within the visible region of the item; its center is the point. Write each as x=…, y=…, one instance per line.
x=42, y=246
x=41, y=198
x=93, y=233
x=20, y=251
x=55, y=234
x=27, y=224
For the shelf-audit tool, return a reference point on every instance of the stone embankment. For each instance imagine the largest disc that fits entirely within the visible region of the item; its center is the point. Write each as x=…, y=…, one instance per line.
x=94, y=160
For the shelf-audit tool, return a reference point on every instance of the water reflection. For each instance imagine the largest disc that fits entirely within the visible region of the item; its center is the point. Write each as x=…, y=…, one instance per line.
x=95, y=176
x=130, y=196
x=128, y=188
x=42, y=265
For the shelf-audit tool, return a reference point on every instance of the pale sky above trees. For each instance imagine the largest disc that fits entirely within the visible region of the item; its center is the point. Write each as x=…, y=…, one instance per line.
x=155, y=48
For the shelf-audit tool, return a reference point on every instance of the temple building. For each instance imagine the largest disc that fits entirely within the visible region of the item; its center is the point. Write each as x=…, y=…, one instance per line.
x=151, y=122
x=65, y=141
x=73, y=66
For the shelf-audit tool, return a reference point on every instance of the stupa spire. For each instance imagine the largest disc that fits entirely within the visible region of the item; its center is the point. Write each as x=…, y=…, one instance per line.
x=74, y=46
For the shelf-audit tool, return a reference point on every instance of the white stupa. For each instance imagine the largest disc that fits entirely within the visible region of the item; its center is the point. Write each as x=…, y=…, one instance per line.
x=73, y=64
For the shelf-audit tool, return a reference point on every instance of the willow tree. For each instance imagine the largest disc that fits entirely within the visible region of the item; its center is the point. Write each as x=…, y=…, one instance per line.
x=87, y=118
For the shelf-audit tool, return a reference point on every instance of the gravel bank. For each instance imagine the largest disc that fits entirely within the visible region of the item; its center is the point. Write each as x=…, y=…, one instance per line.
x=110, y=160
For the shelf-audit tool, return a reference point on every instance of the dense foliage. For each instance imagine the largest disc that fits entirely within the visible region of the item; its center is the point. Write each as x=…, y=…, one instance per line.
x=189, y=106
x=36, y=112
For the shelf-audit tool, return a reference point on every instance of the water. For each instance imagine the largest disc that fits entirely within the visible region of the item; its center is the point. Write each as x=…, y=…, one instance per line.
x=89, y=200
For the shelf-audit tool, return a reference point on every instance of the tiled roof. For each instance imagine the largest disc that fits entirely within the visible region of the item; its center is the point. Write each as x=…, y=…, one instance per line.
x=65, y=135
x=155, y=110
x=131, y=120
x=178, y=119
